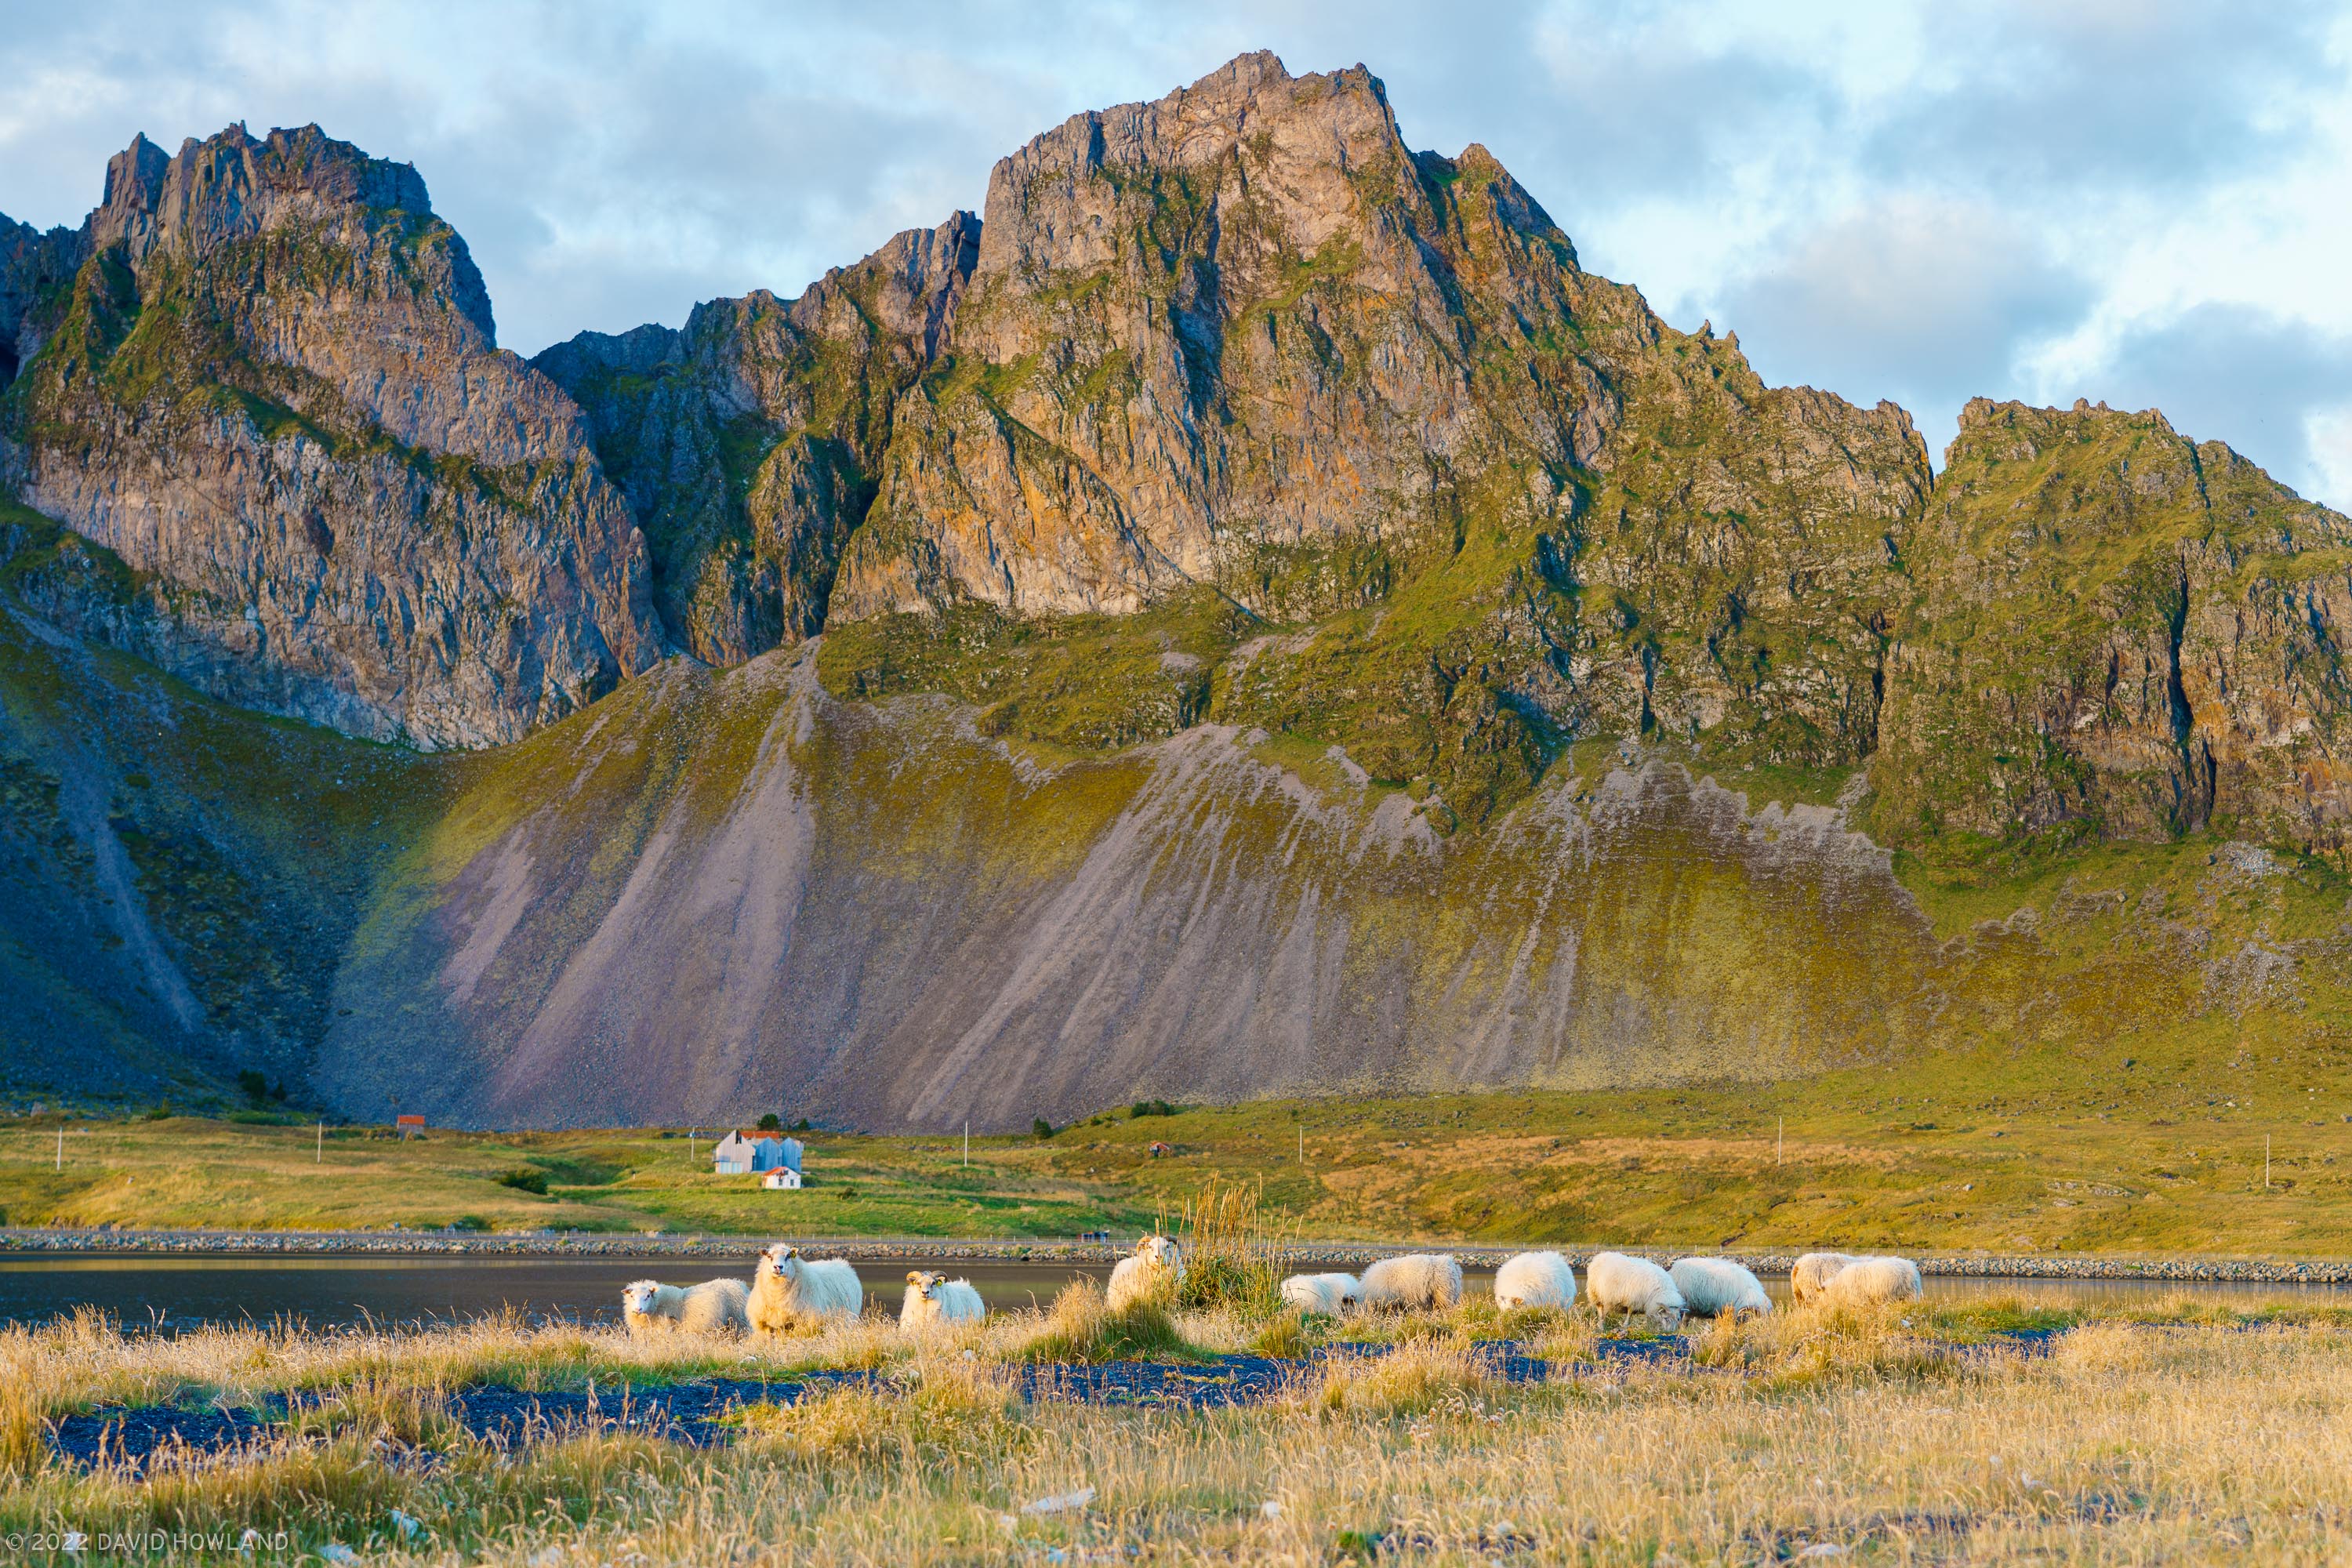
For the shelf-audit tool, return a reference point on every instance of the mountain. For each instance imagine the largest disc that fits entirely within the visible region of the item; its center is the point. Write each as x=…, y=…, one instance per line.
x=1246, y=613
x=264, y=375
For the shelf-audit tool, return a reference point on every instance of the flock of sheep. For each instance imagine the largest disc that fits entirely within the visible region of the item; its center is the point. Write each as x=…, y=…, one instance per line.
x=788, y=1292
x=1614, y=1284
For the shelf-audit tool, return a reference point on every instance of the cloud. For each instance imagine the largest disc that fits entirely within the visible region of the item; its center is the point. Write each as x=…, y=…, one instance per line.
x=2271, y=387
x=1923, y=302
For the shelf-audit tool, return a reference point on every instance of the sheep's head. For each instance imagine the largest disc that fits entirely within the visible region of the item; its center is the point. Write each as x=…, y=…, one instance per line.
x=1157, y=1250
x=1351, y=1294
x=784, y=1259
x=638, y=1296
x=927, y=1285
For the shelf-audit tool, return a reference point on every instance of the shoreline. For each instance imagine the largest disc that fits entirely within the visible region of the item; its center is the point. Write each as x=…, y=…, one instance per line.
x=368, y=1243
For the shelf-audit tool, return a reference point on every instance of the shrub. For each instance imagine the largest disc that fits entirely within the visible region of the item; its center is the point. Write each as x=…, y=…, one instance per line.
x=1143, y=1108
x=256, y=1087
x=525, y=1179
x=771, y=1122
x=1041, y=1128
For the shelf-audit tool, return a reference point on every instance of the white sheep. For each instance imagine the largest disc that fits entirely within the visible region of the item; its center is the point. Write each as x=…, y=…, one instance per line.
x=1327, y=1294
x=789, y=1290
x=1535, y=1279
x=1866, y=1280
x=934, y=1298
x=715, y=1305
x=1151, y=1273
x=1416, y=1279
x=1712, y=1286
x=1812, y=1274
x=1616, y=1283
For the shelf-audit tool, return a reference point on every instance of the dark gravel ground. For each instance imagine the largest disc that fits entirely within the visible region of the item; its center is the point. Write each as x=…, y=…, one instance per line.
x=695, y=1413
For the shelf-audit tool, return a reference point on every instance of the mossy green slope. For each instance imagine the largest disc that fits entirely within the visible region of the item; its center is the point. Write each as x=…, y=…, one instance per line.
x=721, y=892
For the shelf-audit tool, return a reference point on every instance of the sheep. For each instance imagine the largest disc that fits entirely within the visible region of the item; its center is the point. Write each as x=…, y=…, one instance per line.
x=1416, y=1279
x=715, y=1305
x=790, y=1290
x=1712, y=1286
x=1812, y=1272
x=1617, y=1283
x=1151, y=1273
x=1535, y=1279
x=1871, y=1279
x=934, y=1298
x=1329, y=1294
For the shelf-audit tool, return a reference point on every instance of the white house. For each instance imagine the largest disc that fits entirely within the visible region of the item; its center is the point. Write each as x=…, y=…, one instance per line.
x=783, y=1179
x=748, y=1153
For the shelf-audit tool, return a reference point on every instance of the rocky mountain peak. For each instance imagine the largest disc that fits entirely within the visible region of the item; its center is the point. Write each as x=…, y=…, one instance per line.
x=263, y=372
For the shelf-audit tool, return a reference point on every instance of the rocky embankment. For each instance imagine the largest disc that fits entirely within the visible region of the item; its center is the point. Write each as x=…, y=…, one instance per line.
x=891, y=1249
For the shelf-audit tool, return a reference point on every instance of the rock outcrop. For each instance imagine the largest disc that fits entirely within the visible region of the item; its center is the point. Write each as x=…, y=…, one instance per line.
x=2123, y=632
x=748, y=443
x=269, y=382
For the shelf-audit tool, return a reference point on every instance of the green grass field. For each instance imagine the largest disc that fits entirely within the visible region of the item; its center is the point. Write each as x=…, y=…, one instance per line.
x=2007, y=1154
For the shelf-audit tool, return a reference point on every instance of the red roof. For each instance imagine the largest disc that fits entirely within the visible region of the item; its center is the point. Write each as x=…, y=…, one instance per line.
x=408, y=1121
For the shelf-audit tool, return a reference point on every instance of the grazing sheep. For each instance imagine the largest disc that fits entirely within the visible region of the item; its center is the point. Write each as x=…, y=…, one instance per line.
x=1535, y=1279
x=1153, y=1272
x=1416, y=1279
x=715, y=1305
x=1616, y=1283
x=649, y=1307
x=1329, y=1294
x=790, y=1290
x=934, y=1298
x=1873, y=1279
x=1712, y=1286
x=1813, y=1273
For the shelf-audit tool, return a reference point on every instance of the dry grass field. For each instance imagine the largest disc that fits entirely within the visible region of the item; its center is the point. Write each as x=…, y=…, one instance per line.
x=1994, y=1152
x=2175, y=1433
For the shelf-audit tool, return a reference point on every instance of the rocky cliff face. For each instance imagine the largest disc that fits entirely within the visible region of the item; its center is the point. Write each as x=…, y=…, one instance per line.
x=265, y=378
x=2121, y=631
x=1463, y=501
x=748, y=443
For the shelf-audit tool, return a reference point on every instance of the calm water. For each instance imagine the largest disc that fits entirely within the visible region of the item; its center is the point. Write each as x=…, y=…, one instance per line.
x=323, y=1292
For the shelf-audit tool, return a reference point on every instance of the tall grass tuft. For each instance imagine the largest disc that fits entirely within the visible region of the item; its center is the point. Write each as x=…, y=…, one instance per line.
x=1408, y=1381
x=24, y=1431
x=1081, y=1327
x=1232, y=1247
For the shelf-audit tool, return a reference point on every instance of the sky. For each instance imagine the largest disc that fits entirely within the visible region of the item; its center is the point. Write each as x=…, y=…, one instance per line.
x=2135, y=201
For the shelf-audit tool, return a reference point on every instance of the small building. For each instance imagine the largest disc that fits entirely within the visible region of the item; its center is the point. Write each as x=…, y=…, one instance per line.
x=783, y=1179
x=749, y=1154
x=1160, y=1151
x=410, y=1126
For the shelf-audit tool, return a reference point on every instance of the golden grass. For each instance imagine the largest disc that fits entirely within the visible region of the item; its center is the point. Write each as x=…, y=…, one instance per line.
x=2127, y=1442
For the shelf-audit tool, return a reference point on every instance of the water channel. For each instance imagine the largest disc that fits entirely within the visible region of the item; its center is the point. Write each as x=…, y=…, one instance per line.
x=147, y=1291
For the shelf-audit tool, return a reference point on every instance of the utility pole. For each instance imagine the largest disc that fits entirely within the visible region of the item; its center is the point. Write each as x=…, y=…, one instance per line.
x=2266, y=1162
x=1302, y=1143
x=320, y=1157
x=967, y=1143
x=1779, y=1138
x=62, y=1145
